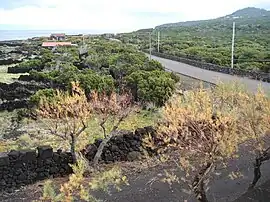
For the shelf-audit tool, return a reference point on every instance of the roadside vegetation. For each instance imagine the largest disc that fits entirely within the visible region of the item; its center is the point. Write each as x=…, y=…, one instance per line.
x=210, y=40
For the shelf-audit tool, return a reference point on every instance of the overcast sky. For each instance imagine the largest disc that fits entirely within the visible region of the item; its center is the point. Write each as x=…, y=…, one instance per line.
x=113, y=15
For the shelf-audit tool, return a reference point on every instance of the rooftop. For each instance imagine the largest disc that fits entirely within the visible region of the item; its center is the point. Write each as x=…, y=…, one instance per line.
x=54, y=44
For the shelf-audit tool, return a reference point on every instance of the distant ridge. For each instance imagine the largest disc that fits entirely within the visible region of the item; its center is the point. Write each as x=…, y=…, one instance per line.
x=248, y=14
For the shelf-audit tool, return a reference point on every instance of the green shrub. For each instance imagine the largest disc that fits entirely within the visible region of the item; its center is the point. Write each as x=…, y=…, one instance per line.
x=49, y=93
x=154, y=65
x=92, y=81
x=151, y=86
x=27, y=66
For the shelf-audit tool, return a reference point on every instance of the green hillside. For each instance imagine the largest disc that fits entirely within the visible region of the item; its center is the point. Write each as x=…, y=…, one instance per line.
x=244, y=16
x=210, y=40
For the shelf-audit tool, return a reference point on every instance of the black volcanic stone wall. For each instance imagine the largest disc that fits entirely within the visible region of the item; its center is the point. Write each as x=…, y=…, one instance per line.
x=18, y=90
x=16, y=95
x=8, y=61
x=123, y=147
x=257, y=75
x=18, y=168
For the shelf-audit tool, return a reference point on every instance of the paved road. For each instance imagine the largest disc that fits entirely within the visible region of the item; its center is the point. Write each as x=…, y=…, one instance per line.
x=209, y=76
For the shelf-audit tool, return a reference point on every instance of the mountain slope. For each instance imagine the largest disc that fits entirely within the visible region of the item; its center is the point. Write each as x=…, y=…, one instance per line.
x=246, y=15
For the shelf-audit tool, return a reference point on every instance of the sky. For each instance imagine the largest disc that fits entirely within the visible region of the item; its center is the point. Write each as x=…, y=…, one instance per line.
x=112, y=15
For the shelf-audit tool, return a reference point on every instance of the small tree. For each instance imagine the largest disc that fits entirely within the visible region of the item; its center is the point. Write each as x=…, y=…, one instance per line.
x=114, y=107
x=203, y=133
x=67, y=115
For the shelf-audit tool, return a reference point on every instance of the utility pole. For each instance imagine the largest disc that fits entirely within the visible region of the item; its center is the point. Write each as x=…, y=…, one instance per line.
x=158, y=40
x=233, y=35
x=150, y=45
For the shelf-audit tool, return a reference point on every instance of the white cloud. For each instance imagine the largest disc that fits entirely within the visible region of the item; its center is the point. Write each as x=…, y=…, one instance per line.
x=117, y=15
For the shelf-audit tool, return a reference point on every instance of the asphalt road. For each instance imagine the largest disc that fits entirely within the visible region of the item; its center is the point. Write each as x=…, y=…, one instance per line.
x=210, y=76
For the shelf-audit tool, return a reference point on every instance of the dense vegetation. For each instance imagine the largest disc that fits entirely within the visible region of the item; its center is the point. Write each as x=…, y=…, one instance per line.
x=27, y=66
x=107, y=67
x=210, y=40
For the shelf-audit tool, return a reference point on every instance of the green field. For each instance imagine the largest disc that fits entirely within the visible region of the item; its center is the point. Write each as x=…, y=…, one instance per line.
x=6, y=77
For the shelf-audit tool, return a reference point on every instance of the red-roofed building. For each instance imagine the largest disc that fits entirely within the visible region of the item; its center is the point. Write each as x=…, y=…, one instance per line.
x=58, y=37
x=54, y=44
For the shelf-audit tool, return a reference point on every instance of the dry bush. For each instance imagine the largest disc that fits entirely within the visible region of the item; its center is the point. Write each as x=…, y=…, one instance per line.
x=115, y=107
x=204, y=133
x=206, y=127
x=78, y=187
x=66, y=115
x=255, y=126
x=253, y=120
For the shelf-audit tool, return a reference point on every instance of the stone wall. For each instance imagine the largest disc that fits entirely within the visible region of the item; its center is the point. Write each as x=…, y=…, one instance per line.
x=11, y=43
x=18, y=168
x=8, y=61
x=257, y=75
x=16, y=95
x=127, y=146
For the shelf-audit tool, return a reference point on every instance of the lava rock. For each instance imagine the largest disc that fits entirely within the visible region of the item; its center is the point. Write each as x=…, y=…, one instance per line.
x=45, y=152
x=133, y=156
x=4, y=159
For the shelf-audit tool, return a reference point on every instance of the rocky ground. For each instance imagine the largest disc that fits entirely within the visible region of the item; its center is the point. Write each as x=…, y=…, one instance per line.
x=10, y=53
x=146, y=185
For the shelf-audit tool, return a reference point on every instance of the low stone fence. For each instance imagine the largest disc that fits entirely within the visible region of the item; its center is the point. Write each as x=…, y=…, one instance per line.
x=257, y=75
x=16, y=95
x=20, y=69
x=19, y=90
x=9, y=61
x=123, y=147
x=11, y=43
x=18, y=168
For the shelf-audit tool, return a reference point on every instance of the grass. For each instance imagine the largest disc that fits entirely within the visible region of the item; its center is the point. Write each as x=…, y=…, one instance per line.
x=7, y=77
x=35, y=133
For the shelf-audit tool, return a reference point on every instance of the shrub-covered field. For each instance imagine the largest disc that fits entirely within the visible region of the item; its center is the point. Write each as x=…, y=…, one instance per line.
x=106, y=67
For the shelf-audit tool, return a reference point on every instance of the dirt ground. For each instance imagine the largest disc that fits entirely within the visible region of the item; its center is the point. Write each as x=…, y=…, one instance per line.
x=146, y=185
